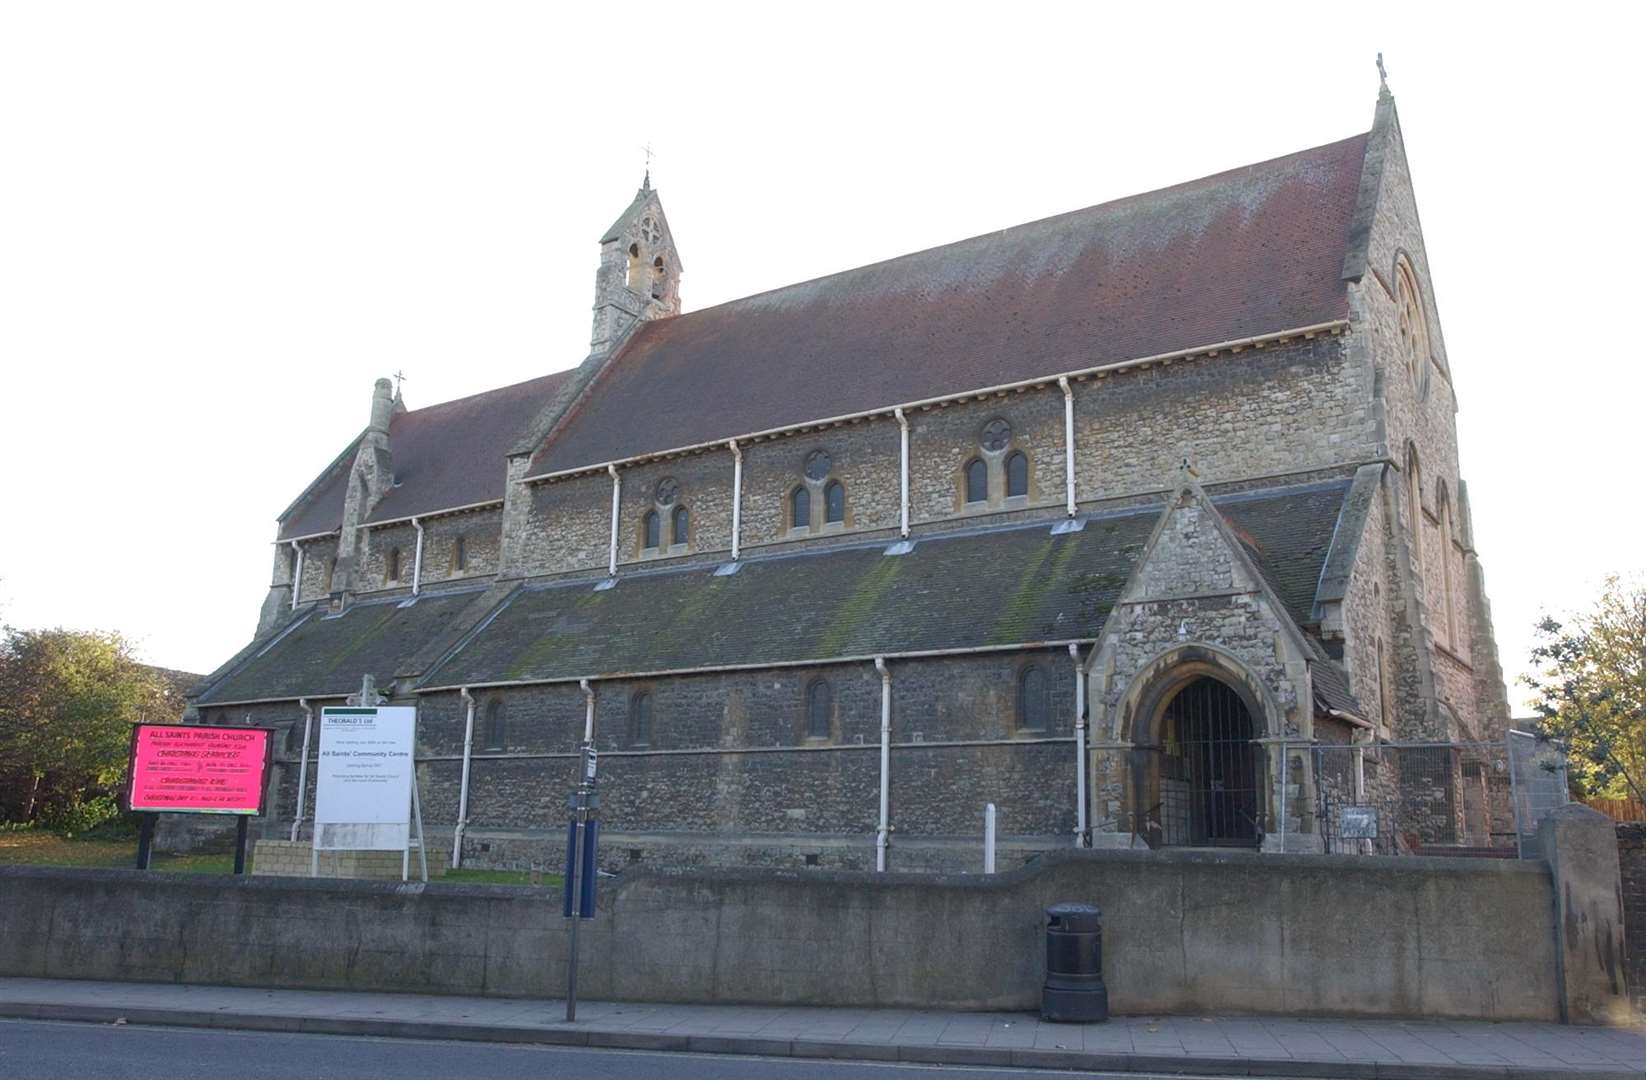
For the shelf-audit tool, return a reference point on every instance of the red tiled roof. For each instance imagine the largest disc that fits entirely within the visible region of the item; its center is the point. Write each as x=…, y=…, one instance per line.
x=1251, y=251
x=445, y=455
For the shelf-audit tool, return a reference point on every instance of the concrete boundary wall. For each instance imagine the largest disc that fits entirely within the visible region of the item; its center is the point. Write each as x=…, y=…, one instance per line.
x=1229, y=932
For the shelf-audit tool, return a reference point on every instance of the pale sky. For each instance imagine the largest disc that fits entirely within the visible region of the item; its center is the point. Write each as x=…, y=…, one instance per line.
x=220, y=222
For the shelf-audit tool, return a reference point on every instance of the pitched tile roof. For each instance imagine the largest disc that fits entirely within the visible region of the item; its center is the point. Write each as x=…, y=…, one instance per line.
x=445, y=455
x=1013, y=585
x=1246, y=252
x=1288, y=532
x=320, y=655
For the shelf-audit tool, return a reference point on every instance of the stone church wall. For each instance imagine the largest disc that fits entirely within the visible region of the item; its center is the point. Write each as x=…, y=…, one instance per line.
x=729, y=774
x=943, y=440
x=1366, y=618
x=864, y=458
x=316, y=555
x=1292, y=409
x=375, y=547
x=567, y=526
x=1422, y=414
x=1260, y=412
x=481, y=531
x=704, y=484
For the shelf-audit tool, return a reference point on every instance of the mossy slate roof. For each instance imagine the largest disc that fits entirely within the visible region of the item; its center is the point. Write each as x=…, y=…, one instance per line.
x=1000, y=587
x=324, y=656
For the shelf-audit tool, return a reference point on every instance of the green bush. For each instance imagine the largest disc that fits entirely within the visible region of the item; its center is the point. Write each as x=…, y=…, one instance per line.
x=81, y=816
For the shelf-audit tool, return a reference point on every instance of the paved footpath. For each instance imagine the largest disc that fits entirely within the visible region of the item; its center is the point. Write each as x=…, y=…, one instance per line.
x=1216, y=1045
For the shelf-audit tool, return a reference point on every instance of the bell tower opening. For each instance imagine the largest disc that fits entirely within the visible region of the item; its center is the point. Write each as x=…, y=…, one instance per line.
x=1209, y=768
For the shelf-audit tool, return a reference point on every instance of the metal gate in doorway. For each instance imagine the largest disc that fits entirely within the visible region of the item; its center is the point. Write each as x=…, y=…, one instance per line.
x=1209, y=771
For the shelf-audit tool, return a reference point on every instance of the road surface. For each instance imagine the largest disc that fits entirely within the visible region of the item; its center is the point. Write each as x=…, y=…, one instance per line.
x=64, y=1051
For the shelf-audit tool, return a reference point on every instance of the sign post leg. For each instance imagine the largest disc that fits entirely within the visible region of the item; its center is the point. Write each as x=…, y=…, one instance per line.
x=241, y=828
x=145, y=840
x=577, y=913
x=417, y=819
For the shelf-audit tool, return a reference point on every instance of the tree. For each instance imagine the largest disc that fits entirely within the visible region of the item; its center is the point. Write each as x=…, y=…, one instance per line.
x=1591, y=691
x=67, y=702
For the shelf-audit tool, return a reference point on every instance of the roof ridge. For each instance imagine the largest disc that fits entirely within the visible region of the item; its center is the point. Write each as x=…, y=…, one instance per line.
x=485, y=393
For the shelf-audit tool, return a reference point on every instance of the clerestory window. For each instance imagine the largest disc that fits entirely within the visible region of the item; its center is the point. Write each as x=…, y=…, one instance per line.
x=977, y=481
x=834, y=503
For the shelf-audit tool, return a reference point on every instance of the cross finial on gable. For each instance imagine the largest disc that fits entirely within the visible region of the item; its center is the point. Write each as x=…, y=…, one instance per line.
x=399, y=377
x=1382, y=76
x=646, y=185
x=368, y=694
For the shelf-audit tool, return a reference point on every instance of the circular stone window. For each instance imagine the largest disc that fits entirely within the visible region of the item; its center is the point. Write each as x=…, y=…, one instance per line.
x=668, y=490
x=997, y=435
x=818, y=464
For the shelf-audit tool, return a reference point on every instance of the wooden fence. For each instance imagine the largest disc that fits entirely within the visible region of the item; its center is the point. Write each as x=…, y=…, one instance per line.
x=1618, y=809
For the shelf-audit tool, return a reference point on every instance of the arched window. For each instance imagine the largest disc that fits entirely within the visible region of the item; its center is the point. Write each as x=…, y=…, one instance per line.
x=679, y=525
x=631, y=279
x=1443, y=504
x=640, y=718
x=460, y=555
x=391, y=571
x=1385, y=704
x=1033, y=699
x=651, y=527
x=819, y=709
x=1414, y=506
x=657, y=278
x=1017, y=474
x=1414, y=332
x=977, y=481
x=834, y=503
x=800, y=508
x=496, y=733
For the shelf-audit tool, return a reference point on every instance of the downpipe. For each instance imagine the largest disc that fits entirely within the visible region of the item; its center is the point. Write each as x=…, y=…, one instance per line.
x=1080, y=838
x=463, y=786
x=882, y=836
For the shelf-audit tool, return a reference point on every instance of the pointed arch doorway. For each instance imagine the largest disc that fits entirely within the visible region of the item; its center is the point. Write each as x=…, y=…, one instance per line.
x=1209, y=769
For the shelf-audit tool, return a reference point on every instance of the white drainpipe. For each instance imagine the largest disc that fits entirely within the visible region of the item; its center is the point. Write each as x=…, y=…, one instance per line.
x=417, y=559
x=588, y=710
x=903, y=469
x=737, y=496
x=617, y=491
x=302, y=766
x=1068, y=440
x=463, y=785
x=1079, y=748
x=297, y=574
x=882, y=836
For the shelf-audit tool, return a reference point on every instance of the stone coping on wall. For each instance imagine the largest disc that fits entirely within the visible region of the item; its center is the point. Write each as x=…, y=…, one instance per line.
x=1005, y=880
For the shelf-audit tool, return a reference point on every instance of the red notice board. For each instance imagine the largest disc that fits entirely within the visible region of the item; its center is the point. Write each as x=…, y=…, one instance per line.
x=195, y=769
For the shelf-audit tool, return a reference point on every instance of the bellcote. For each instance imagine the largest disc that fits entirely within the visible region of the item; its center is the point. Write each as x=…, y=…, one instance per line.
x=639, y=275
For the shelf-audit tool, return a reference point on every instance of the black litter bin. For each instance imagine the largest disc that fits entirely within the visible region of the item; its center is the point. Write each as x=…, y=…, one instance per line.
x=1074, y=992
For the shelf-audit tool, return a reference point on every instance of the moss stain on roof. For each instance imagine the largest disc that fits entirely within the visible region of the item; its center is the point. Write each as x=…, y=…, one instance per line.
x=862, y=604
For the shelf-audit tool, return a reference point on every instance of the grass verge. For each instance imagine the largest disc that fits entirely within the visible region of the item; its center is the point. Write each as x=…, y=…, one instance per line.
x=37, y=847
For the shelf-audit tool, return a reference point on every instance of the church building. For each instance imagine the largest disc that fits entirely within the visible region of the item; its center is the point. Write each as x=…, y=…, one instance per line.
x=1113, y=520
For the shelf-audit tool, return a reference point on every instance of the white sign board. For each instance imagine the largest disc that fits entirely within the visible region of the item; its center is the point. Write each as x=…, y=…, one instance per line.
x=1359, y=823
x=363, y=781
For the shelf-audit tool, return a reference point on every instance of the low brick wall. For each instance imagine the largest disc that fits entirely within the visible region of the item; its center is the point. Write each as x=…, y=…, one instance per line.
x=1631, y=858
x=1225, y=932
x=288, y=858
